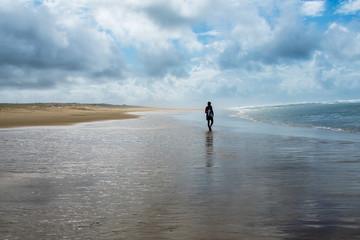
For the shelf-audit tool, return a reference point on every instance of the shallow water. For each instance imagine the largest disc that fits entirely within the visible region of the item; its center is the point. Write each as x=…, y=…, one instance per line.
x=159, y=178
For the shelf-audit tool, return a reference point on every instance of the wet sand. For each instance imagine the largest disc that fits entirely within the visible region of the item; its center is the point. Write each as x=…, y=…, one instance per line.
x=21, y=115
x=163, y=177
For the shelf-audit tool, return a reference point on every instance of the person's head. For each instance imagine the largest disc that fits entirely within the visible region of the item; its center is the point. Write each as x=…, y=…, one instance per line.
x=209, y=103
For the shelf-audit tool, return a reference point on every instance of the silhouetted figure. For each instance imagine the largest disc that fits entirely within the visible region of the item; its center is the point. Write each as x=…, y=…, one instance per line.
x=209, y=115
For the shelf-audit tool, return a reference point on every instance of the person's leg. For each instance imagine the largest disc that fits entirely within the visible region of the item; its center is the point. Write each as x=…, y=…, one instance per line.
x=209, y=126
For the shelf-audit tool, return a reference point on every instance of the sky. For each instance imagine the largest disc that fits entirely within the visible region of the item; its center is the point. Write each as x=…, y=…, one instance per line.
x=179, y=53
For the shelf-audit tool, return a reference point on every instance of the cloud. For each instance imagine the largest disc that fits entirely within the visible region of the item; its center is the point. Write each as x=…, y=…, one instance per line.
x=168, y=17
x=349, y=7
x=313, y=8
x=160, y=51
x=159, y=33
x=161, y=62
x=41, y=46
x=342, y=44
x=287, y=42
x=292, y=42
x=147, y=24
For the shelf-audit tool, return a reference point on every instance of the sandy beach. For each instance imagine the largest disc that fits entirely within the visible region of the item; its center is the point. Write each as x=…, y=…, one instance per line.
x=45, y=114
x=164, y=176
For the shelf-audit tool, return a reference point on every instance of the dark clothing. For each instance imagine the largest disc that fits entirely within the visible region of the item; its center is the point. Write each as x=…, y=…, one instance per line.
x=209, y=115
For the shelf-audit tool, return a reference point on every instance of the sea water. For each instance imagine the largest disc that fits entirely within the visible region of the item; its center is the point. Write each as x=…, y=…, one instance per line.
x=336, y=116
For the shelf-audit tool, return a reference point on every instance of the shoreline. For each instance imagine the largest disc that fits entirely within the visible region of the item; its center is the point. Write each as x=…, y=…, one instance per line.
x=52, y=114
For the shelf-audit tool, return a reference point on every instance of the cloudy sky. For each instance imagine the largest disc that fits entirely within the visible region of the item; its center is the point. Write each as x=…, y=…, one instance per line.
x=179, y=52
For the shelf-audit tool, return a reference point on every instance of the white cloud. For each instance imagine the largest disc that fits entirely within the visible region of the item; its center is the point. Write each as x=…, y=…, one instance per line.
x=145, y=25
x=313, y=8
x=342, y=44
x=349, y=7
x=138, y=52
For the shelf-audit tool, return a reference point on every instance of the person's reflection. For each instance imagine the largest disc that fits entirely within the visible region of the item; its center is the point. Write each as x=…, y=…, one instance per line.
x=209, y=149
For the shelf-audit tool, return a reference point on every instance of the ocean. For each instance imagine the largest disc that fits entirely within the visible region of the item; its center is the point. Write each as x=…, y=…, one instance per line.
x=165, y=176
x=336, y=116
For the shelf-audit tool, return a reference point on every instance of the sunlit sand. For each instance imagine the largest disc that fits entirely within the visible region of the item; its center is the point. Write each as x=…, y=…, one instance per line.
x=21, y=115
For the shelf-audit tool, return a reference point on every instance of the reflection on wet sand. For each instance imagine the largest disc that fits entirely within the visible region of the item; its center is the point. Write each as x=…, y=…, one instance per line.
x=134, y=180
x=209, y=149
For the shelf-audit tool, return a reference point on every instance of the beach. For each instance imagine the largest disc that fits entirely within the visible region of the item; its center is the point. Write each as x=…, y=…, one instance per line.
x=164, y=176
x=40, y=114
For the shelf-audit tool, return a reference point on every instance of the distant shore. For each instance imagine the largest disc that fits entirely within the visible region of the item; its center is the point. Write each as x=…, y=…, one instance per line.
x=47, y=114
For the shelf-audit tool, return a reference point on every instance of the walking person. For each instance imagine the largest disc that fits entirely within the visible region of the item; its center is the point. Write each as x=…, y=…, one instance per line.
x=209, y=115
